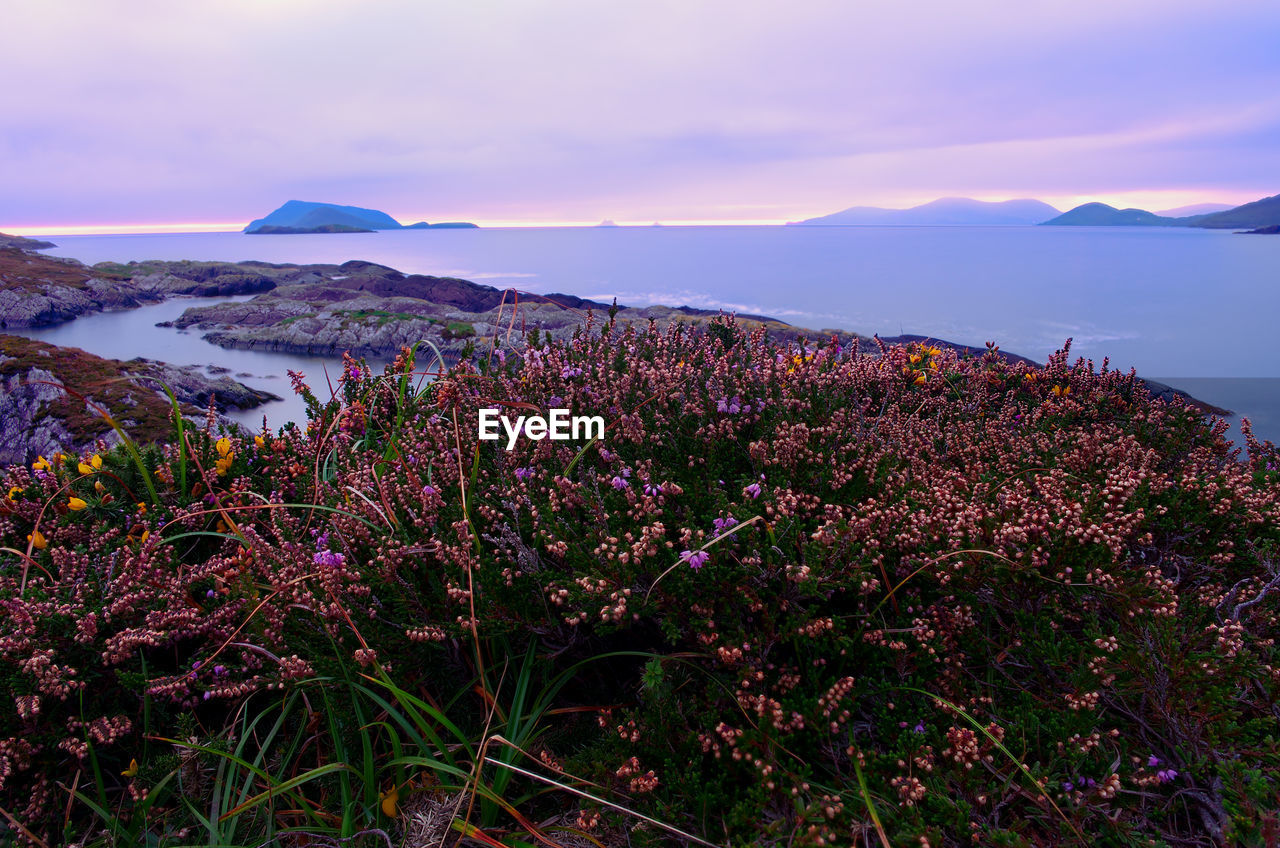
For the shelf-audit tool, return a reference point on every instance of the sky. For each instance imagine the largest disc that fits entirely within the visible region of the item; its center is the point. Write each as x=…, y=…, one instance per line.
x=207, y=114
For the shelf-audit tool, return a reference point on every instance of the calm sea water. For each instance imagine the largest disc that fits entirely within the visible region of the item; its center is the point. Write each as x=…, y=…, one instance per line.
x=1174, y=303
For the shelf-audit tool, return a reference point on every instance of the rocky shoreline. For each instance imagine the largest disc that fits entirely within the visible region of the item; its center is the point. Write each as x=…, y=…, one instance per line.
x=363, y=308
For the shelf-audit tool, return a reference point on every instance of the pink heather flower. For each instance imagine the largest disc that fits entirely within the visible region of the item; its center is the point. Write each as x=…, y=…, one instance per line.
x=752, y=491
x=696, y=559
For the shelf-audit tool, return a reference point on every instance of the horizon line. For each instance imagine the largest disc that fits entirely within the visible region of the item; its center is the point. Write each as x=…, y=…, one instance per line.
x=35, y=230
x=1174, y=199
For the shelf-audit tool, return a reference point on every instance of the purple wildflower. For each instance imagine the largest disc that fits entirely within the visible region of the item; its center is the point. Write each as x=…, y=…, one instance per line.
x=696, y=559
x=723, y=524
x=555, y=401
x=919, y=728
x=524, y=473
x=328, y=559
x=752, y=491
x=428, y=490
x=618, y=483
x=652, y=490
x=1166, y=776
x=1153, y=761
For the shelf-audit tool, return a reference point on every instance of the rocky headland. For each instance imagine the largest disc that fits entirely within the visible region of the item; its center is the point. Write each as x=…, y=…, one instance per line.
x=52, y=398
x=23, y=243
x=39, y=291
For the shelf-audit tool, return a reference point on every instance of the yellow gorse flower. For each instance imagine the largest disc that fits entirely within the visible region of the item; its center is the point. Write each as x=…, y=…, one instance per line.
x=225, y=456
x=13, y=490
x=37, y=540
x=390, y=799
x=1061, y=391
x=259, y=441
x=76, y=504
x=132, y=770
x=41, y=464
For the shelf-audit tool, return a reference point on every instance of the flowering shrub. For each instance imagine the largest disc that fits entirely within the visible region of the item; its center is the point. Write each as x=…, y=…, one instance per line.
x=807, y=595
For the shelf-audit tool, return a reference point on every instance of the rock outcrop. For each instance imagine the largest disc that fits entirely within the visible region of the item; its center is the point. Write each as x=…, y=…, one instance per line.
x=371, y=310
x=53, y=398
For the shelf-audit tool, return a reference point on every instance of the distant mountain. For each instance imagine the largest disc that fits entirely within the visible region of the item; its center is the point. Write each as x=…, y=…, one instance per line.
x=444, y=225
x=945, y=212
x=1258, y=214
x=302, y=215
x=1195, y=209
x=1102, y=215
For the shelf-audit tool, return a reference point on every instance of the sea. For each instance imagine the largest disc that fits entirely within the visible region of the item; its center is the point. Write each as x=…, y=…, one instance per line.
x=1196, y=309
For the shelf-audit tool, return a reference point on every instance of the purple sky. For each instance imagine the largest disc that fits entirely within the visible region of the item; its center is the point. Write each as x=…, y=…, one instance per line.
x=550, y=111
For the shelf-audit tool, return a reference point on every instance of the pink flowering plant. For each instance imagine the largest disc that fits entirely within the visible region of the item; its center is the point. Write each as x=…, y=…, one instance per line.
x=797, y=594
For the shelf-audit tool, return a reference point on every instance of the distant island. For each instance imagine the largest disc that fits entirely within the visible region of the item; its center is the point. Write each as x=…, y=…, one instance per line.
x=944, y=212
x=272, y=230
x=301, y=216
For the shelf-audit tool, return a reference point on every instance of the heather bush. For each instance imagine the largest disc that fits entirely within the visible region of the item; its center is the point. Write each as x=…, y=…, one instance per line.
x=796, y=595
